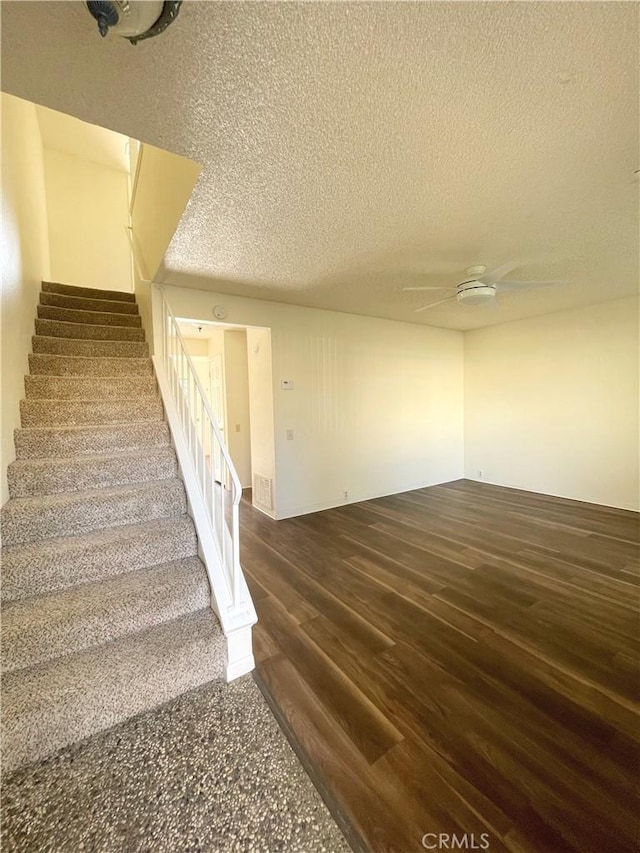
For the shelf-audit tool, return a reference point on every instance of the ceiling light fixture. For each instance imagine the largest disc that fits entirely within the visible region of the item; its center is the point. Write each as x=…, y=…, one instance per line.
x=133, y=19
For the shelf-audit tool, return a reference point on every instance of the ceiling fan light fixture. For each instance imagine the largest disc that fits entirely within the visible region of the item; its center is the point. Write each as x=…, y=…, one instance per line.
x=134, y=20
x=475, y=293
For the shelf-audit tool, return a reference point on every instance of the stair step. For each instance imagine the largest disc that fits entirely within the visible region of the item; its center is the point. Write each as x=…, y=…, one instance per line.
x=83, y=303
x=57, y=703
x=87, y=331
x=88, y=348
x=89, y=292
x=45, y=442
x=85, y=388
x=62, y=623
x=55, y=564
x=75, y=365
x=35, y=477
x=102, y=318
x=37, y=413
x=69, y=513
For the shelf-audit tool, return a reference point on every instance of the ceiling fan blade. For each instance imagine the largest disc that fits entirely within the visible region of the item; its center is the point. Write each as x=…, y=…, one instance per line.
x=496, y=274
x=428, y=287
x=433, y=304
x=524, y=285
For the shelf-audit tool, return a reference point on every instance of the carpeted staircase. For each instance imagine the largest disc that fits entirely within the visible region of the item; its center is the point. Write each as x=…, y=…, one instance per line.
x=105, y=603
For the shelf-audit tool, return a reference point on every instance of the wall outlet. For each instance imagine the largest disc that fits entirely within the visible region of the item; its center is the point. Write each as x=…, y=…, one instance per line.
x=346, y=495
x=480, y=473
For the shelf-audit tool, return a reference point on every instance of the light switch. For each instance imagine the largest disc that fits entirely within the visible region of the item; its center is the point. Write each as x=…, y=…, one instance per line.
x=289, y=435
x=237, y=427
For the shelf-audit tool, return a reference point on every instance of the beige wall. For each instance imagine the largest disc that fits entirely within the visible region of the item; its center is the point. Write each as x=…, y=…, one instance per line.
x=376, y=406
x=162, y=185
x=88, y=213
x=236, y=381
x=198, y=347
x=25, y=257
x=551, y=404
x=262, y=428
x=216, y=342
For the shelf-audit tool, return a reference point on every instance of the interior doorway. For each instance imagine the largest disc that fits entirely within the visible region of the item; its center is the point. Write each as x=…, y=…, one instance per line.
x=234, y=366
x=218, y=405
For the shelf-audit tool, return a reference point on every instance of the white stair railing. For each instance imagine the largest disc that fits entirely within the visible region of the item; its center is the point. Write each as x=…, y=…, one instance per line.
x=213, y=487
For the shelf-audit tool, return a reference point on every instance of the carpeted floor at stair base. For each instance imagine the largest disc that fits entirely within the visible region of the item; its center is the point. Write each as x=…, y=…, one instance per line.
x=209, y=771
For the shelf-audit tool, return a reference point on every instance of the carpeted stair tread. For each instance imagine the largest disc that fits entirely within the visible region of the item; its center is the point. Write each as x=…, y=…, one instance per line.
x=89, y=292
x=54, y=704
x=48, y=516
x=88, y=348
x=45, y=442
x=61, y=623
x=33, y=477
x=53, y=564
x=74, y=365
x=94, y=332
x=123, y=410
x=105, y=601
x=96, y=318
x=84, y=303
x=52, y=387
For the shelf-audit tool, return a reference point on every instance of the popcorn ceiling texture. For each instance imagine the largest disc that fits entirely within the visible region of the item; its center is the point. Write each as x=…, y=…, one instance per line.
x=105, y=602
x=210, y=771
x=349, y=148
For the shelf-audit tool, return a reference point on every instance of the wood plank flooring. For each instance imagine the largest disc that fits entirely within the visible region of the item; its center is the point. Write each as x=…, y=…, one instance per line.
x=459, y=660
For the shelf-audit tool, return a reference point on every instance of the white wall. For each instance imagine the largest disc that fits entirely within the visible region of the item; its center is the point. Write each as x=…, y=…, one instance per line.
x=88, y=212
x=198, y=347
x=162, y=185
x=261, y=403
x=25, y=257
x=551, y=404
x=376, y=406
x=236, y=383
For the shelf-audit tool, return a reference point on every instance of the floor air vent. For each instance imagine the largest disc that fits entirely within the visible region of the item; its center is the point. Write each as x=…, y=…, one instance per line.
x=262, y=495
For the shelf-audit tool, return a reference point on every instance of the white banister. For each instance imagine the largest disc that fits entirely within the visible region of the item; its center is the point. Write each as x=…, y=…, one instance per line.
x=211, y=481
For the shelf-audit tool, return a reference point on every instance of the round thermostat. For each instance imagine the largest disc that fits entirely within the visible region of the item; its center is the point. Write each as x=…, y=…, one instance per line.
x=219, y=312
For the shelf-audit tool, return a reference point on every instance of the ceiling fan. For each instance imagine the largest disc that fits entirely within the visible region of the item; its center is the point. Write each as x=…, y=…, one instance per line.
x=480, y=287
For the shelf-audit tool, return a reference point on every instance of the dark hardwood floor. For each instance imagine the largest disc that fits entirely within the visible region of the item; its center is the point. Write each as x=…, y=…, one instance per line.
x=458, y=659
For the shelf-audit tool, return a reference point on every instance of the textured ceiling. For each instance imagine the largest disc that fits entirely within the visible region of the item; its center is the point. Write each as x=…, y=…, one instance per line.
x=349, y=148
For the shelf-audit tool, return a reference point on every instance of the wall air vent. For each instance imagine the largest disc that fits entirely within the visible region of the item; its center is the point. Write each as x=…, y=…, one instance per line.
x=262, y=491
